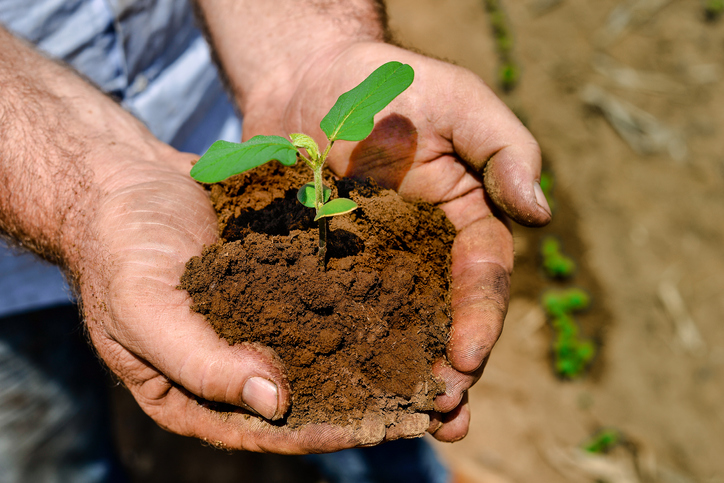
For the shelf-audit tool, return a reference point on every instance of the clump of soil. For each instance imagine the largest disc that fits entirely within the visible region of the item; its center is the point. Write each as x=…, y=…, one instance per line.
x=358, y=338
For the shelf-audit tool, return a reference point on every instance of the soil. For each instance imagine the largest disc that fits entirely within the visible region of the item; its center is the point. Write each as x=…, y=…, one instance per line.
x=357, y=338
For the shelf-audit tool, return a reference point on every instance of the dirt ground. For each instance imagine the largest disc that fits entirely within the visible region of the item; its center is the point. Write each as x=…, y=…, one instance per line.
x=652, y=226
x=645, y=223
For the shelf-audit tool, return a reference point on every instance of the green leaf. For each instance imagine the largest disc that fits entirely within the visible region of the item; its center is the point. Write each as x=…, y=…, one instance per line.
x=225, y=159
x=306, y=194
x=352, y=116
x=338, y=206
x=303, y=141
x=603, y=441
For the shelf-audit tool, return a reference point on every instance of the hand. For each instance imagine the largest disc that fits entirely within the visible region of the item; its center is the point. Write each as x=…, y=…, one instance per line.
x=119, y=211
x=150, y=220
x=450, y=141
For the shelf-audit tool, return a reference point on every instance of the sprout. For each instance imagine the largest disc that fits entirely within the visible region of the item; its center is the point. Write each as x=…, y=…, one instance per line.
x=351, y=119
x=555, y=263
x=603, y=441
x=571, y=353
x=713, y=9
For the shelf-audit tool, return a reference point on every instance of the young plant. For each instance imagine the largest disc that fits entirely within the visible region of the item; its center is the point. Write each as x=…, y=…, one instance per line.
x=508, y=71
x=713, y=9
x=571, y=353
x=350, y=119
x=559, y=302
x=555, y=263
x=603, y=441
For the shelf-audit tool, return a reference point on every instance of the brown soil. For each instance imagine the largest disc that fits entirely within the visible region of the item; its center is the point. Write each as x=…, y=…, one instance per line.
x=359, y=337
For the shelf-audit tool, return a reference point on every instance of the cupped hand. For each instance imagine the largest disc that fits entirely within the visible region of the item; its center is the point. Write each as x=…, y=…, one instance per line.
x=149, y=220
x=447, y=140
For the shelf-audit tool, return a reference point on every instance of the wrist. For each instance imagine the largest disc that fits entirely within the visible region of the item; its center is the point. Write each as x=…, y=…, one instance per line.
x=271, y=97
x=63, y=144
x=266, y=48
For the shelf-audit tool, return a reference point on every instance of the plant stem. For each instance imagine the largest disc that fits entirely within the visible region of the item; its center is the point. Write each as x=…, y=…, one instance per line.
x=317, y=166
x=322, y=243
x=318, y=202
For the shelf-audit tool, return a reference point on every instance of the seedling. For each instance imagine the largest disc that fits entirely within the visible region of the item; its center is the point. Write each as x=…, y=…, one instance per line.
x=508, y=71
x=713, y=9
x=350, y=119
x=558, y=302
x=555, y=263
x=571, y=353
x=603, y=441
x=508, y=75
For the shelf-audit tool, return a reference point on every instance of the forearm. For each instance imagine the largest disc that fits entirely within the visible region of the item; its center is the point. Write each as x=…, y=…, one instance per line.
x=266, y=47
x=61, y=141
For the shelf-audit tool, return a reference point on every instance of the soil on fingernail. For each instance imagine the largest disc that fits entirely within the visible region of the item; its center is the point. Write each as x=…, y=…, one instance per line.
x=358, y=338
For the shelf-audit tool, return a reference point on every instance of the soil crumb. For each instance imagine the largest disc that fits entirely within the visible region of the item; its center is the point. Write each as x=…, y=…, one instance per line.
x=358, y=338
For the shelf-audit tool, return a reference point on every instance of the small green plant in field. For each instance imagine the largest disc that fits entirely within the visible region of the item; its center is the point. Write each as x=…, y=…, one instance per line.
x=558, y=302
x=351, y=119
x=571, y=353
x=508, y=75
x=603, y=441
x=713, y=9
x=555, y=263
x=508, y=72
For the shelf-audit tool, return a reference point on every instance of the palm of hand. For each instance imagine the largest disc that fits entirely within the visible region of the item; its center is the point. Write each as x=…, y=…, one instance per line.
x=170, y=358
x=432, y=144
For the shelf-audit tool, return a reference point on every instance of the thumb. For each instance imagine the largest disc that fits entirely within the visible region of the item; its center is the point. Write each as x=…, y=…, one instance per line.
x=495, y=144
x=182, y=346
x=512, y=180
x=150, y=231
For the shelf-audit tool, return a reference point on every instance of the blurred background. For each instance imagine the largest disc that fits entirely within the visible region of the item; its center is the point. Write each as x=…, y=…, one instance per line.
x=611, y=364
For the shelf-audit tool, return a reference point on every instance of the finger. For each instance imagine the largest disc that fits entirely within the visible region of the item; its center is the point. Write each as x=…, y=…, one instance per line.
x=147, y=315
x=482, y=260
x=435, y=422
x=177, y=411
x=408, y=426
x=454, y=425
x=494, y=142
x=185, y=348
x=180, y=411
x=180, y=161
x=512, y=179
x=456, y=385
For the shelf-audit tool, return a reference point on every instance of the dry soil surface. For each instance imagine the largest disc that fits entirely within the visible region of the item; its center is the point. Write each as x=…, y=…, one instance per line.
x=652, y=224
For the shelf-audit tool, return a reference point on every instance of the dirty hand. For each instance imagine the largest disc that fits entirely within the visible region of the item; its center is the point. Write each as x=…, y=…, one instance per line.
x=88, y=186
x=150, y=219
x=450, y=141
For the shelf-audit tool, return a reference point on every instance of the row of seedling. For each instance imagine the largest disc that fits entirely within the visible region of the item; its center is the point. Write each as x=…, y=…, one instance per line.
x=508, y=71
x=572, y=354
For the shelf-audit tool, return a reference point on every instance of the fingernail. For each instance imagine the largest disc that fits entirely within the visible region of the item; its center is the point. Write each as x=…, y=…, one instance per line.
x=541, y=198
x=262, y=396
